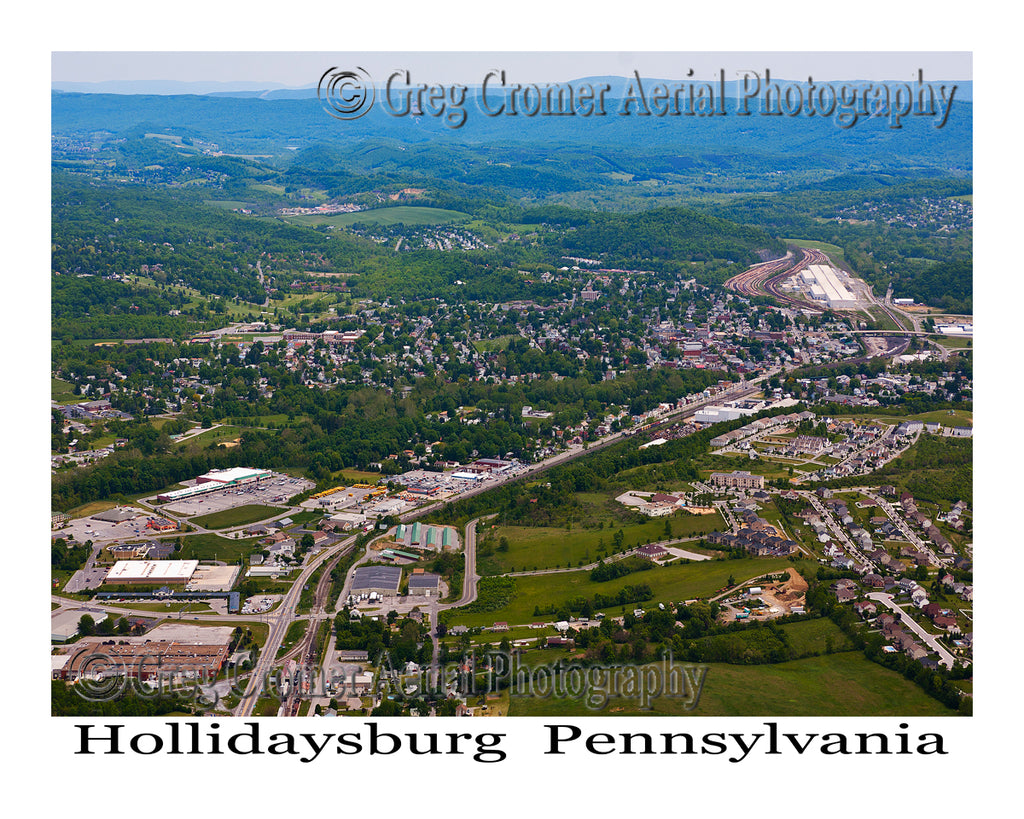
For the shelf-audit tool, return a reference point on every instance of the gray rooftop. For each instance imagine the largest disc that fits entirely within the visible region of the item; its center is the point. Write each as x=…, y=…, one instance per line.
x=377, y=577
x=423, y=581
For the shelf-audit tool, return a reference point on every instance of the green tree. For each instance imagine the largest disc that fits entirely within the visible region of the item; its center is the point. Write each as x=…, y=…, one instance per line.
x=86, y=625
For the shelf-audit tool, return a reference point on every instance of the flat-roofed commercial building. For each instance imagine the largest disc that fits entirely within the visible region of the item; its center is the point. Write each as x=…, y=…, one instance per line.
x=424, y=585
x=217, y=479
x=348, y=520
x=380, y=579
x=118, y=514
x=64, y=624
x=147, y=661
x=713, y=415
x=155, y=572
x=827, y=287
x=492, y=464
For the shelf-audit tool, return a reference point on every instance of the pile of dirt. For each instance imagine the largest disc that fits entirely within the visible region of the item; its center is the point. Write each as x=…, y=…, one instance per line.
x=788, y=593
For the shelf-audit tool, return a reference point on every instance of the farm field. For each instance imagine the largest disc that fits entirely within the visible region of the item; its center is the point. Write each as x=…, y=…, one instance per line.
x=228, y=204
x=844, y=684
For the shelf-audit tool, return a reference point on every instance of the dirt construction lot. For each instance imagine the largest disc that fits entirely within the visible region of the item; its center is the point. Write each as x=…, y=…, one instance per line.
x=787, y=594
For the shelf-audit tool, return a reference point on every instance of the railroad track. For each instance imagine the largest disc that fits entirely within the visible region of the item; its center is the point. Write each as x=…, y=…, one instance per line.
x=307, y=647
x=764, y=279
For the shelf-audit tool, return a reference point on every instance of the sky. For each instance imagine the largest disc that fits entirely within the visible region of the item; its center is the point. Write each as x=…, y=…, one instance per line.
x=303, y=69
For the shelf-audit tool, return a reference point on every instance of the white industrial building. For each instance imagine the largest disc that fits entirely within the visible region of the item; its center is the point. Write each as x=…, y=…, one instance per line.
x=955, y=329
x=217, y=479
x=826, y=286
x=348, y=520
x=157, y=572
x=713, y=415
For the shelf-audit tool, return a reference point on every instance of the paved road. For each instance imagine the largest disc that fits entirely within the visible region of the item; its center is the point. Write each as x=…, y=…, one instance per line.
x=279, y=620
x=945, y=658
x=837, y=529
x=904, y=527
x=123, y=611
x=740, y=390
x=469, y=590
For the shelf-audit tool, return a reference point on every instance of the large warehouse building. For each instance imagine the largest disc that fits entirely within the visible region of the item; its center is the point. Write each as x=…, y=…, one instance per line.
x=151, y=572
x=380, y=579
x=217, y=479
x=826, y=286
x=713, y=415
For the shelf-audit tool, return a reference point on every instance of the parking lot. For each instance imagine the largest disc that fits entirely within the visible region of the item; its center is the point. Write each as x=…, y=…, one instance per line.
x=270, y=492
x=344, y=498
x=86, y=579
x=83, y=529
x=261, y=604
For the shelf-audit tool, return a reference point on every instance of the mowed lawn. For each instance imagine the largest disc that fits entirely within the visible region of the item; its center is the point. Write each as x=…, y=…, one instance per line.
x=215, y=547
x=673, y=583
x=543, y=547
x=845, y=685
x=238, y=516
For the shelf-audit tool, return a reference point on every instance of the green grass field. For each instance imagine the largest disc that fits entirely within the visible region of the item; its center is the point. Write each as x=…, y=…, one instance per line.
x=347, y=476
x=882, y=319
x=266, y=707
x=211, y=436
x=953, y=342
x=228, y=204
x=295, y=633
x=239, y=516
x=89, y=509
x=492, y=345
x=63, y=392
x=402, y=215
x=553, y=548
x=948, y=418
x=194, y=607
x=215, y=547
x=673, y=583
x=843, y=685
x=834, y=252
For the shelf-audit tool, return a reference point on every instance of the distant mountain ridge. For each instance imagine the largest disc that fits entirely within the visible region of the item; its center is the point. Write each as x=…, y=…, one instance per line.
x=271, y=90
